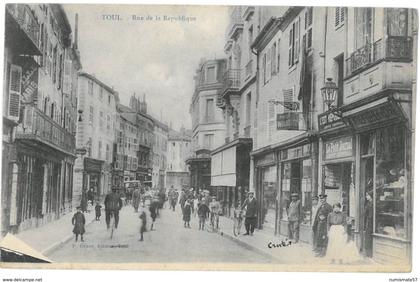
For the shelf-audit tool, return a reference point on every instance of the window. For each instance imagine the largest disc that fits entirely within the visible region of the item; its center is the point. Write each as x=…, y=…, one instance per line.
x=273, y=58
x=364, y=29
x=250, y=39
x=54, y=66
x=339, y=16
x=248, y=109
x=90, y=115
x=101, y=120
x=107, y=152
x=109, y=99
x=287, y=98
x=209, y=110
x=90, y=87
x=211, y=74
x=108, y=122
x=208, y=141
x=264, y=68
x=294, y=43
x=307, y=41
x=268, y=65
x=101, y=93
x=271, y=120
x=99, y=149
x=278, y=56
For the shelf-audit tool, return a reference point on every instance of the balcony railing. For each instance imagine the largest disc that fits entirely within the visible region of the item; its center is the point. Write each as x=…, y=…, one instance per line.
x=395, y=48
x=26, y=20
x=231, y=80
x=293, y=121
x=248, y=70
x=220, y=102
x=39, y=127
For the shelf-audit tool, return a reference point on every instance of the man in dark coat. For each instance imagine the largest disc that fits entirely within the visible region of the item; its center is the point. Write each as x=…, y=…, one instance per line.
x=78, y=222
x=136, y=199
x=251, y=213
x=113, y=204
x=153, y=208
x=368, y=225
x=320, y=227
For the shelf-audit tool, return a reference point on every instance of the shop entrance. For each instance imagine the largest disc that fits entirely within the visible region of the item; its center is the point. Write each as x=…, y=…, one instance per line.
x=339, y=187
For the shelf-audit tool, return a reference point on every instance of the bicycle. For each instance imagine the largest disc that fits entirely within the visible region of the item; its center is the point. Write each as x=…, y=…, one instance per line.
x=237, y=222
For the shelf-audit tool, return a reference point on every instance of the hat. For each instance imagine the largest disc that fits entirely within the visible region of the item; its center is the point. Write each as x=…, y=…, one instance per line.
x=315, y=197
x=79, y=208
x=250, y=192
x=322, y=196
x=213, y=197
x=294, y=195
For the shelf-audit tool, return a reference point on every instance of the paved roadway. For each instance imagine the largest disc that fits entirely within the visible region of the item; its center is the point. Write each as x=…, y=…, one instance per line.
x=170, y=243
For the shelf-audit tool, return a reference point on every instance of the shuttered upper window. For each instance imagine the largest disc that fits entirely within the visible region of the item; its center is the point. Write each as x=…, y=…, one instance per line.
x=339, y=16
x=14, y=91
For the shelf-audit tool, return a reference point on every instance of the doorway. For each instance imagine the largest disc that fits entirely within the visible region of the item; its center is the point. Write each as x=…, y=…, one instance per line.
x=366, y=209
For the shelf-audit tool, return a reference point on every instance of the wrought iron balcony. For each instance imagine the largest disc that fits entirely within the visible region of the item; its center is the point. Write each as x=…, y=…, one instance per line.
x=394, y=48
x=293, y=121
x=40, y=128
x=231, y=81
x=22, y=29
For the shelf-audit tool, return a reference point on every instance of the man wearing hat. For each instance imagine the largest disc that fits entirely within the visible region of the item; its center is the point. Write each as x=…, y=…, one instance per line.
x=320, y=227
x=293, y=216
x=251, y=213
x=315, y=207
x=113, y=204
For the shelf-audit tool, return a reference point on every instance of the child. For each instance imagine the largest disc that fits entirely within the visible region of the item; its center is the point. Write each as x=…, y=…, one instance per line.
x=186, y=212
x=98, y=211
x=142, y=224
x=202, y=212
x=78, y=221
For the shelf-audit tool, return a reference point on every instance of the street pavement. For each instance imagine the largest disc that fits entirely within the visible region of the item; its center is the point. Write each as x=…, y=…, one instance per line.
x=170, y=243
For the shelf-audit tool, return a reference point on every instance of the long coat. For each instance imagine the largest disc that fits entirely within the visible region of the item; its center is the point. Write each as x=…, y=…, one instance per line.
x=251, y=208
x=136, y=198
x=186, y=212
x=320, y=226
x=78, y=221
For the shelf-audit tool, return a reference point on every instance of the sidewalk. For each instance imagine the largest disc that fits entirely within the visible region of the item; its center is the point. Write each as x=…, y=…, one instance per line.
x=50, y=236
x=295, y=254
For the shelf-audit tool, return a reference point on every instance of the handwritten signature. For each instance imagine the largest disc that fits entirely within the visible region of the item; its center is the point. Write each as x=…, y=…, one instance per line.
x=283, y=243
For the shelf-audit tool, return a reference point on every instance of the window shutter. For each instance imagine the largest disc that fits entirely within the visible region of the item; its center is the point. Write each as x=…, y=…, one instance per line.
x=268, y=65
x=271, y=120
x=342, y=14
x=337, y=16
x=67, y=77
x=291, y=46
x=297, y=41
x=273, y=59
x=15, y=84
x=287, y=98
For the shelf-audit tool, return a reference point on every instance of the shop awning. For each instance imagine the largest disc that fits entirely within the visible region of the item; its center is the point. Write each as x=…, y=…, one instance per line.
x=381, y=112
x=223, y=168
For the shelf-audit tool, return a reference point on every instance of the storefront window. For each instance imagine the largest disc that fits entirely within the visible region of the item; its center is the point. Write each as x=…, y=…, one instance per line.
x=306, y=191
x=270, y=196
x=285, y=189
x=390, y=181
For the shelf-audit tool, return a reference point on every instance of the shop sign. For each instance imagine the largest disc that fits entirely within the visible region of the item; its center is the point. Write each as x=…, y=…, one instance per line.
x=329, y=120
x=296, y=152
x=266, y=159
x=380, y=114
x=29, y=77
x=339, y=148
x=92, y=165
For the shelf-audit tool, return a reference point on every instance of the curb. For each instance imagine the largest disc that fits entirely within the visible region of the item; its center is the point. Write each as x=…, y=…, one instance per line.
x=249, y=246
x=47, y=251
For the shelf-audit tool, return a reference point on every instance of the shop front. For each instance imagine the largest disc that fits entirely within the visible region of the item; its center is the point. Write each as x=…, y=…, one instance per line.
x=297, y=172
x=230, y=173
x=267, y=191
x=384, y=173
x=92, y=176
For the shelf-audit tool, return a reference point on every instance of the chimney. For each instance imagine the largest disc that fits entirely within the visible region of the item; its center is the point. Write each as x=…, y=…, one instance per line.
x=76, y=30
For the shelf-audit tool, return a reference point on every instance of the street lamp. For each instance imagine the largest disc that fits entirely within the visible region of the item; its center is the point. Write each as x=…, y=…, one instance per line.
x=329, y=95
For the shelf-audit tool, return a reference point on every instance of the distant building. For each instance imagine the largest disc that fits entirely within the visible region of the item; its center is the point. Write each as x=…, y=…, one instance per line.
x=159, y=154
x=178, y=150
x=208, y=127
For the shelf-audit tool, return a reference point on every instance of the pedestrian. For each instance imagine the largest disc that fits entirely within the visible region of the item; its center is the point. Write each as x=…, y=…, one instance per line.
x=337, y=236
x=113, y=204
x=136, y=200
x=98, y=208
x=320, y=226
x=251, y=213
x=202, y=213
x=186, y=214
x=368, y=225
x=83, y=201
x=90, y=195
x=315, y=206
x=153, y=208
x=293, y=216
x=215, y=211
x=78, y=222
x=143, y=224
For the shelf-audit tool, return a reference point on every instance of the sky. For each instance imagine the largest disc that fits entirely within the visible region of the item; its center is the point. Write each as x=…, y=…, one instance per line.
x=151, y=55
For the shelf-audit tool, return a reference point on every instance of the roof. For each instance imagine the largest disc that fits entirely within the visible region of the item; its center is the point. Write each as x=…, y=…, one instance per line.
x=92, y=77
x=178, y=136
x=129, y=114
